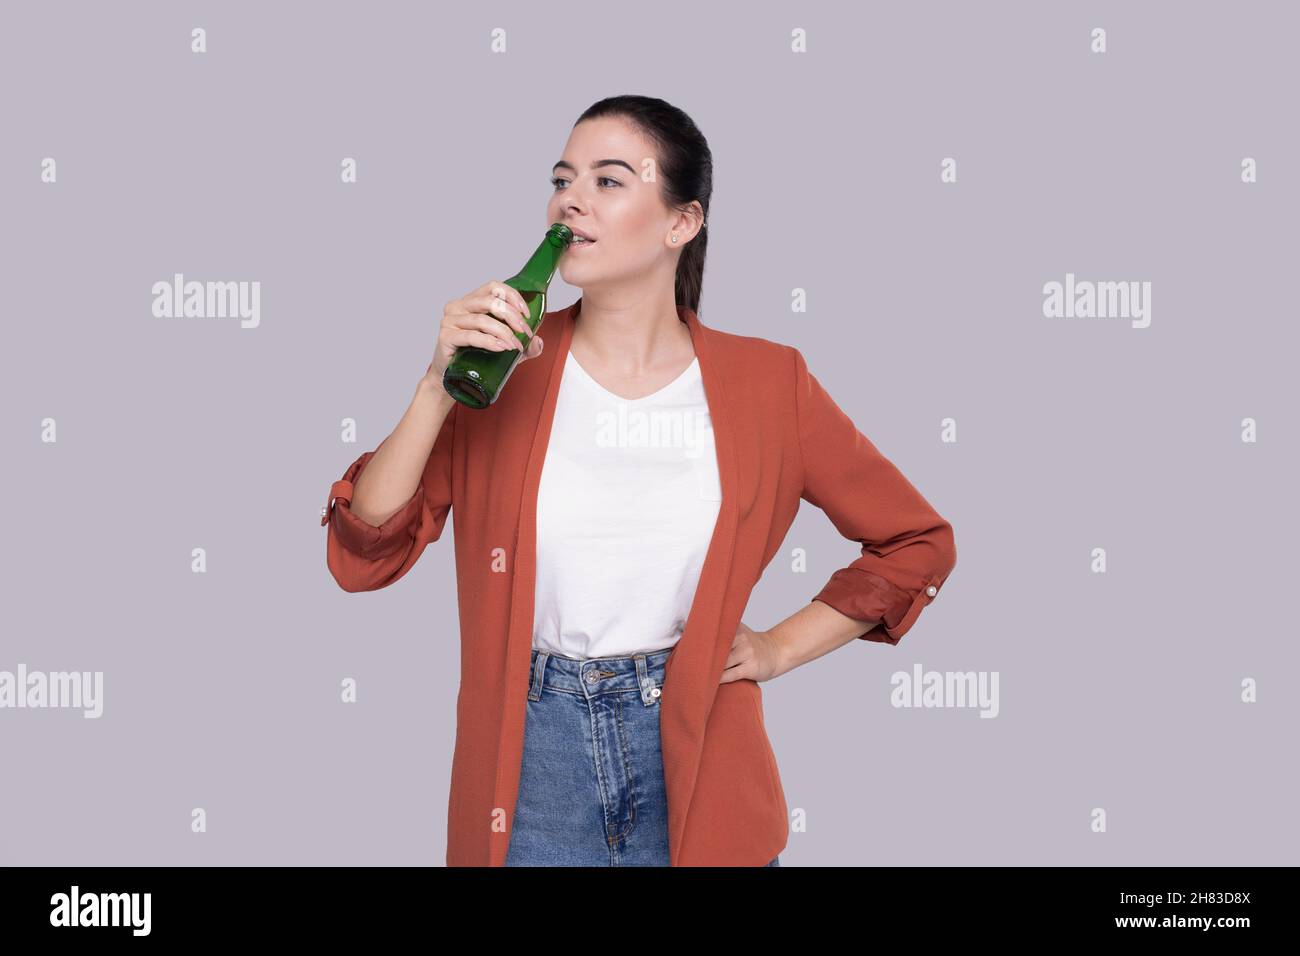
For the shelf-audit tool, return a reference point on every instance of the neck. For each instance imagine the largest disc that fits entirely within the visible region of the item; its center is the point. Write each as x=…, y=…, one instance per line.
x=631, y=335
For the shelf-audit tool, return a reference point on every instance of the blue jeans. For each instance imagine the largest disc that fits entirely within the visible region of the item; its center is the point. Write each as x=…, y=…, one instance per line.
x=591, y=787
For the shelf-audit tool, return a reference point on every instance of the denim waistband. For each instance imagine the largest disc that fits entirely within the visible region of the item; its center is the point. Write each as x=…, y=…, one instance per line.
x=642, y=673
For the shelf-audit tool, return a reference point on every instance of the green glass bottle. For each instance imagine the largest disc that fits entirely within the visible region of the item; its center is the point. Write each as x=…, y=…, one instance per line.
x=475, y=376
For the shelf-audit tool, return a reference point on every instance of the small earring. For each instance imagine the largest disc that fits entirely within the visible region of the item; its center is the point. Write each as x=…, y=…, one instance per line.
x=674, y=238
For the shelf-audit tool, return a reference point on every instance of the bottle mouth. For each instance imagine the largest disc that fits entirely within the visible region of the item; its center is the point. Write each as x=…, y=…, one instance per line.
x=560, y=234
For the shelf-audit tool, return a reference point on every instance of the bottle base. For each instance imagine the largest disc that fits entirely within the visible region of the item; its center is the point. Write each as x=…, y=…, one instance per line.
x=466, y=392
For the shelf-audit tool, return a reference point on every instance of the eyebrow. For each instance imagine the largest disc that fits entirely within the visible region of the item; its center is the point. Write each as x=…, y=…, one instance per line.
x=595, y=165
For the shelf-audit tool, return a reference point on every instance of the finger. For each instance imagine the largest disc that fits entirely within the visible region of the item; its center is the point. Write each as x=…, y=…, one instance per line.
x=511, y=295
x=736, y=656
x=487, y=287
x=732, y=673
x=508, y=335
x=496, y=340
x=505, y=311
x=489, y=324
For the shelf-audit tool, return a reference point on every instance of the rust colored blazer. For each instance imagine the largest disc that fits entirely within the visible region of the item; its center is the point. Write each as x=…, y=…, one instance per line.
x=779, y=437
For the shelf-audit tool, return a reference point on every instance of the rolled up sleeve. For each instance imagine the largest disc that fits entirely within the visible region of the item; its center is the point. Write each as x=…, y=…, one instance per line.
x=908, y=549
x=365, y=557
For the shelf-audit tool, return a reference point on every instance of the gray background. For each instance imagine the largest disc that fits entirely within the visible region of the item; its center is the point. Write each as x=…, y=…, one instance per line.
x=1118, y=690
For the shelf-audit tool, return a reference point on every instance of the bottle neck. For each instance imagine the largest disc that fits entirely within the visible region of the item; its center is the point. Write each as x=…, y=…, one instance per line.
x=540, y=268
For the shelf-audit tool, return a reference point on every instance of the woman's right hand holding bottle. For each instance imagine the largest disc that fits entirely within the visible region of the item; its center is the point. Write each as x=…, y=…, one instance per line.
x=490, y=317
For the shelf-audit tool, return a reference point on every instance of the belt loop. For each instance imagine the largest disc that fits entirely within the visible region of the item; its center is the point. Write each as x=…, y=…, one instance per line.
x=539, y=669
x=649, y=691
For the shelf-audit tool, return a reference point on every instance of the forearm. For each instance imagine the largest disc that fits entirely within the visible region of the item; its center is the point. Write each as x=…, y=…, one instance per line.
x=392, y=476
x=813, y=631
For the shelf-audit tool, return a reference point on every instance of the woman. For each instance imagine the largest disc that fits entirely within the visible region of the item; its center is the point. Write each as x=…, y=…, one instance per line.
x=613, y=510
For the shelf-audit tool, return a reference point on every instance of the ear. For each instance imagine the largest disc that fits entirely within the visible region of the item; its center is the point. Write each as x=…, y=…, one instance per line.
x=689, y=223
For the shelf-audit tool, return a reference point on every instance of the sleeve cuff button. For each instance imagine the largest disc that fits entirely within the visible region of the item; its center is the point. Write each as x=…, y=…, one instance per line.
x=932, y=590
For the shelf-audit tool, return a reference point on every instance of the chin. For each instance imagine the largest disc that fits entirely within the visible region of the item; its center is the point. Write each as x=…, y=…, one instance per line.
x=578, y=278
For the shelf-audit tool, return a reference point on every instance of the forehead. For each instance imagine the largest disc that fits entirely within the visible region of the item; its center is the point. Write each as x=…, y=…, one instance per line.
x=606, y=137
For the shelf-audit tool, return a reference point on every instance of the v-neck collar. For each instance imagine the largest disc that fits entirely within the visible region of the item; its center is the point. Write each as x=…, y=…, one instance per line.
x=693, y=669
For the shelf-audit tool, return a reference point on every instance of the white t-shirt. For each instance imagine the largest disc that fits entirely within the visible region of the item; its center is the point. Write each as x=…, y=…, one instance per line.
x=628, y=499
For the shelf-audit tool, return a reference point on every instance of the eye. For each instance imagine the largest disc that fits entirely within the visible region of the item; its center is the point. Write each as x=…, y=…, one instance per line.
x=556, y=180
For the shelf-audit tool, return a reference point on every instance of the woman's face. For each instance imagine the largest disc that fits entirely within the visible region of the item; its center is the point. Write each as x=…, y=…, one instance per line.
x=599, y=190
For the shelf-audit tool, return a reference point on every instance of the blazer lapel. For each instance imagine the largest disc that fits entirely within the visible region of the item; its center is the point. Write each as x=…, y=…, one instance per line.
x=695, y=666
x=693, y=669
